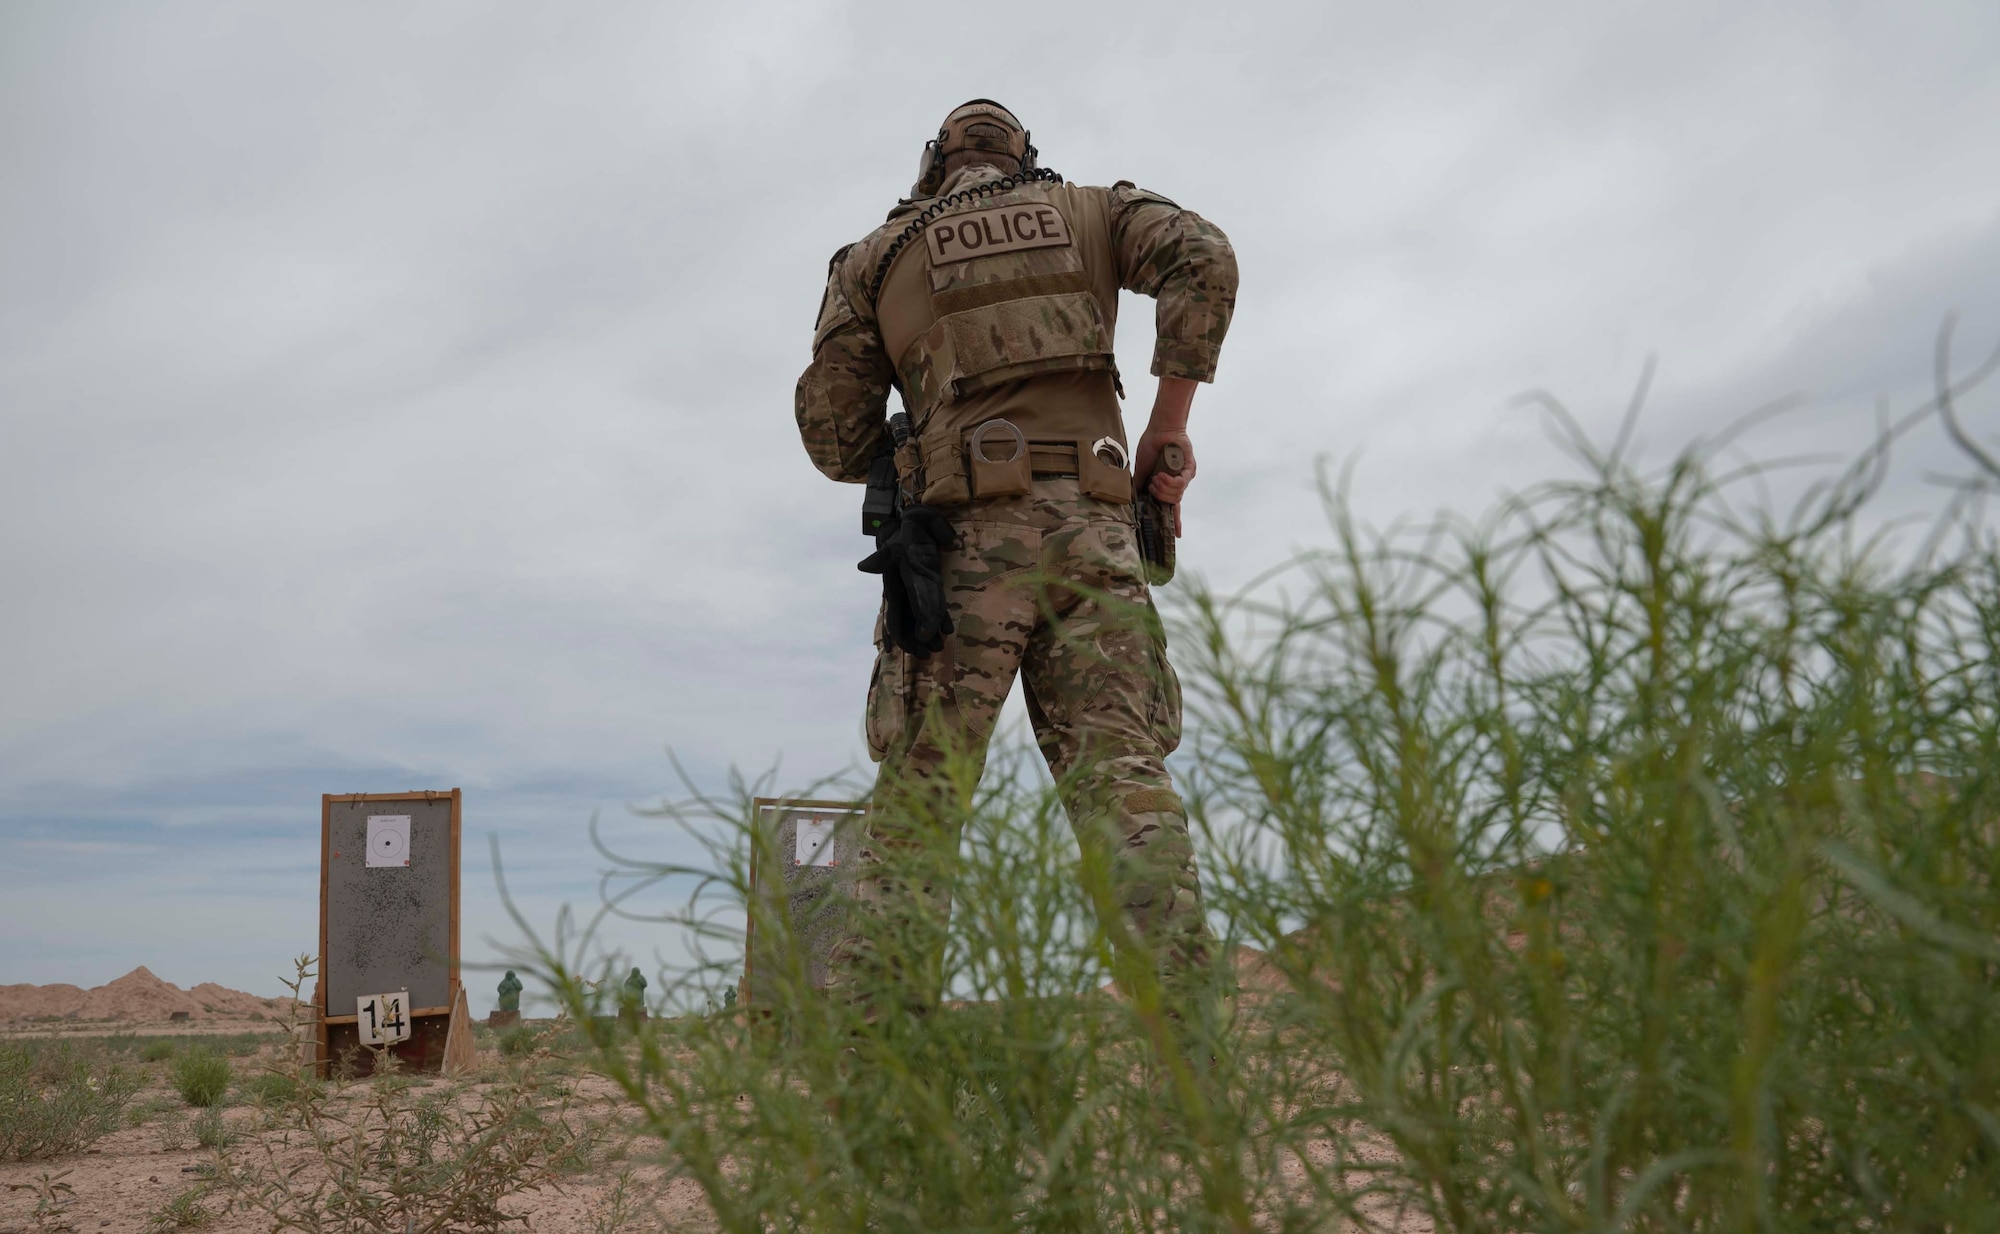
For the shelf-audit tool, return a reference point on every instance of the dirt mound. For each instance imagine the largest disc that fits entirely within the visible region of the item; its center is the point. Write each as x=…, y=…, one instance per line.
x=1256, y=975
x=228, y=1002
x=137, y=997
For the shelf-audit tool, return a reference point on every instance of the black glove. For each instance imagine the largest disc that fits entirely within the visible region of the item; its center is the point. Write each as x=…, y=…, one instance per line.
x=909, y=555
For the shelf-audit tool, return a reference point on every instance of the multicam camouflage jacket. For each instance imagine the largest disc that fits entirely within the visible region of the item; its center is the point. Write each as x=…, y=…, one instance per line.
x=999, y=298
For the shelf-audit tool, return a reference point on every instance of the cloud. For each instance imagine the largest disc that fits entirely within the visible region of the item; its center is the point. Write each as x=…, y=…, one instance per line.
x=400, y=397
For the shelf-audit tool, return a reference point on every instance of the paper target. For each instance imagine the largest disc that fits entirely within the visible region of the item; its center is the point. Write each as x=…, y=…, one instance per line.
x=813, y=844
x=388, y=840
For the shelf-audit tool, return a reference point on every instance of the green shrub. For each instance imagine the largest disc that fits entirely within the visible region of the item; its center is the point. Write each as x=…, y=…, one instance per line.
x=139, y=1113
x=174, y=1130
x=210, y=1131
x=158, y=1050
x=201, y=1077
x=401, y=1157
x=517, y=1041
x=53, y=1195
x=187, y=1209
x=274, y=1087
x=1629, y=860
x=57, y=1098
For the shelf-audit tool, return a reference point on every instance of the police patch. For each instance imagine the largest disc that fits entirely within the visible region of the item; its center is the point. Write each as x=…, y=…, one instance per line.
x=996, y=229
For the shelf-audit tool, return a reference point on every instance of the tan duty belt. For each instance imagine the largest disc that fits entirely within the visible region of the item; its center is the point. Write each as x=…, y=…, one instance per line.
x=1099, y=469
x=1052, y=460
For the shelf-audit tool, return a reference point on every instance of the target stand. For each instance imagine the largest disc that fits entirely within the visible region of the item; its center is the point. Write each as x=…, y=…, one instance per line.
x=817, y=847
x=388, y=933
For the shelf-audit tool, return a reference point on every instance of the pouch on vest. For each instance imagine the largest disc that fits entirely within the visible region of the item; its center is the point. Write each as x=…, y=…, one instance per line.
x=997, y=458
x=1100, y=470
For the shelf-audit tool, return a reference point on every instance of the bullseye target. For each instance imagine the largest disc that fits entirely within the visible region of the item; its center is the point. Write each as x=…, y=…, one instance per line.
x=388, y=840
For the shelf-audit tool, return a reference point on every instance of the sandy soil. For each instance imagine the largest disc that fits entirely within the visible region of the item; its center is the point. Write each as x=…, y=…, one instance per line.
x=126, y=1177
x=123, y=1179
x=120, y=1181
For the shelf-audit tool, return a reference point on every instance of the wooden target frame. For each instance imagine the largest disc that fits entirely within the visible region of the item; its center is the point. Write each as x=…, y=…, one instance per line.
x=386, y=927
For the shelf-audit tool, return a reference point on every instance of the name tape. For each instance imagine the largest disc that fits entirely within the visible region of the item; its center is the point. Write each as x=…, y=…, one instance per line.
x=997, y=229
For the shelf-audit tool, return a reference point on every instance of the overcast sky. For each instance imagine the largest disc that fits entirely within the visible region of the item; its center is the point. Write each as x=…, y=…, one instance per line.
x=400, y=396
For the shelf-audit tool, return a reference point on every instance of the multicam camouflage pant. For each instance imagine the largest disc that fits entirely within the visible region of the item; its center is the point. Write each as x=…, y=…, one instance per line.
x=1048, y=585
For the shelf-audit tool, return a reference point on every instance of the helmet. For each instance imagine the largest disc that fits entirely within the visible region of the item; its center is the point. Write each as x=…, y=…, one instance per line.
x=981, y=124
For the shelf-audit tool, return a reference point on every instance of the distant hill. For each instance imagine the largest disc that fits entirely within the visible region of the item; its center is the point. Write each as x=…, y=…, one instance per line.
x=138, y=997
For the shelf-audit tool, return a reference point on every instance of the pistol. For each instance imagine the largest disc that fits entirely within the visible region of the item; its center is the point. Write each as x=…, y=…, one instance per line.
x=883, y=498
x=1156, y=520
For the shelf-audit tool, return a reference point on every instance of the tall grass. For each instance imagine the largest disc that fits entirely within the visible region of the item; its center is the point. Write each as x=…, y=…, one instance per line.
x=1625, y=860
x=1661, y=898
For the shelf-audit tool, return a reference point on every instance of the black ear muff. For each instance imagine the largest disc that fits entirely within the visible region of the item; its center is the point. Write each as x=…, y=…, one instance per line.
x=930, y=171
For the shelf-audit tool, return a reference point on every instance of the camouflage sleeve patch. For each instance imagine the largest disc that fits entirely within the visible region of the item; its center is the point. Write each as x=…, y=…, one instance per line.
x=1186, y=264
x=1126, y=191
x=842, y=397
x=835, y=310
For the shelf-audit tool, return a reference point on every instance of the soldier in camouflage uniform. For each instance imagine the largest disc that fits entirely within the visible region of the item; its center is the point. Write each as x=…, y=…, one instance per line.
x=987, y=301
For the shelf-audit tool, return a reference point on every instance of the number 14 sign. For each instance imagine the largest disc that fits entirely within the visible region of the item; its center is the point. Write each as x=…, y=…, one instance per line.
x=384, y=1019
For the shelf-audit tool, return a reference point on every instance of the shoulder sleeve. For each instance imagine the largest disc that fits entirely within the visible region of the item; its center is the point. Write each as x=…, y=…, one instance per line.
x=1185, y=263
x=842, y=397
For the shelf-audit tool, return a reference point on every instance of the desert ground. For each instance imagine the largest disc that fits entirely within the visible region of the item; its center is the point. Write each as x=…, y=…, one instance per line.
x=260, y=1153
x=156, y=1170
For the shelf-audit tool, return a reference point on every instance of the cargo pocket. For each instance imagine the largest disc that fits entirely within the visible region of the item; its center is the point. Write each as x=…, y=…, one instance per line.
x=1165, y=708
x=887, y=712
